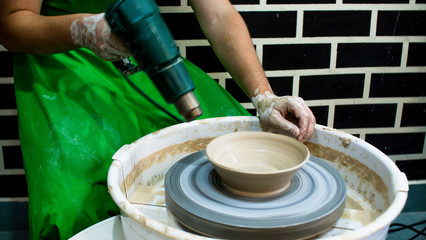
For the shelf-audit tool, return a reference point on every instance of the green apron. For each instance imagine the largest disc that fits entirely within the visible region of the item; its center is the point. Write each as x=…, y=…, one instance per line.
x=75, y=111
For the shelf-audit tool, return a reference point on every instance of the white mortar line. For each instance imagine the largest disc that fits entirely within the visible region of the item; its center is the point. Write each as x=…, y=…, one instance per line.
x=8, y=112
x=247, y=105
x=263, y=7
x=182, y=48
x=329, y=7
x=404, y=55
x=6, y=80
x=373, y=24
x=219, y=75
x=361, y=101
x=362, y=135
x=398, y=116
x=14, y=199
x=333, y=56
x=407, y=157
x=360, y=70
x=378, y=130
x=316, y=40
x=424, y=147
x=299, y=24
x=330, y=118
x=354, y=39
x=367, y=83
x=417, y=182
x=296, y=85
x=11, y=171
x=11, y=142
x=259, y=52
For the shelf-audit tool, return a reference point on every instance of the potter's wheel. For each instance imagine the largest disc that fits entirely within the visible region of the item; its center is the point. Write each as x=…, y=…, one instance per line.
x=196, y=197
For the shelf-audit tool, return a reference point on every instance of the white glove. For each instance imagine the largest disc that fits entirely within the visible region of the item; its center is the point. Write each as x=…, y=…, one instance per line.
x=286, y=115
x=94, y=33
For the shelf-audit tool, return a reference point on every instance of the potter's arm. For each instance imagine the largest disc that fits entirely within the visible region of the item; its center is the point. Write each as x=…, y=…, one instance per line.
x=229, y=37
x=23, y=29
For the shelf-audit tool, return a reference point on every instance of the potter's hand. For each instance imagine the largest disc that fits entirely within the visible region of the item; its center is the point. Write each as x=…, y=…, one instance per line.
x=288, y=115
x=94, y=33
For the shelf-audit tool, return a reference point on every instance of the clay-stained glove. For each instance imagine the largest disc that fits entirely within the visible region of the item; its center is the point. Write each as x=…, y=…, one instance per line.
x=94, y=33
x=285, y=115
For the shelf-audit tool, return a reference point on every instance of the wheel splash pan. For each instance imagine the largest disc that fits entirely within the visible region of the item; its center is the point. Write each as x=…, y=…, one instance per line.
x=373, y=181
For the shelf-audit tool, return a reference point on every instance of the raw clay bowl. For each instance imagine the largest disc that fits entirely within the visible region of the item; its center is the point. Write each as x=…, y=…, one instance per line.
x=256, y=164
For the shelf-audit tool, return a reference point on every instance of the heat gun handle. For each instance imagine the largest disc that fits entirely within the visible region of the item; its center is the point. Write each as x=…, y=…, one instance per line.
x=142, y=30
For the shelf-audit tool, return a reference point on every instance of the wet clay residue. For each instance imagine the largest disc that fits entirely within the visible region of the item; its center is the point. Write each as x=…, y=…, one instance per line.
x=365, y=174
x=159, y=156
x=345, y=142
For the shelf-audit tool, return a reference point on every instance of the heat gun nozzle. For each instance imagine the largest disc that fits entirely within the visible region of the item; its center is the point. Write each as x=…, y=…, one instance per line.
x=188, y=106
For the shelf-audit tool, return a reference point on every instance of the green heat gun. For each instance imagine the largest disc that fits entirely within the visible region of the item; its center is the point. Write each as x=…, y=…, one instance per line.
x=142, y=30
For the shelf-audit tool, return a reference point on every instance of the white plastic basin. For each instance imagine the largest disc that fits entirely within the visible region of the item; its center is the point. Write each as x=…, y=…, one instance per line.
x=377, y=189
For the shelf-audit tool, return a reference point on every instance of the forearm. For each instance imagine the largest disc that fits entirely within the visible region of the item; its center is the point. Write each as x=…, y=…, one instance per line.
x=230, y=39
x=27, y=31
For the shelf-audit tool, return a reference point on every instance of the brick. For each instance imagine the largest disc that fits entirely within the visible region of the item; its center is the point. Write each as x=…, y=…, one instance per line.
x=9, y=127
x=416, y=54
x=253, y=112
x=12, y=157
x=413, y=114
x=299, y=1
x=168, y=2
x=368, y=54
x=331, y=86
x=17, y=186
x=375, y=1
x=398, y=85
x=281, y=86
x=6, y=63
x=364, y=116
x=321, y=114
x=204, y=58
x=183, y=26
x=296, y=56
x=7, y=96
x=401, y=23
x=244, y=1
x=272, y=24
x=413, y=169
x=233, y=88
x=397, y=143
x=335, y=23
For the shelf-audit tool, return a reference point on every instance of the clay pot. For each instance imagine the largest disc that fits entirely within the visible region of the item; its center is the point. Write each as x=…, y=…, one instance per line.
x=256, y=164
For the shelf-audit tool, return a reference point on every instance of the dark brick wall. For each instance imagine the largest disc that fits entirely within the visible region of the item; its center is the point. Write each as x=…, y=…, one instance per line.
x=359, y=64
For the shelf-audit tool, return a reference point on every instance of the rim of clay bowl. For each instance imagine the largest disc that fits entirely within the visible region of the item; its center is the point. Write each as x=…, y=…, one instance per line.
x=273, y=135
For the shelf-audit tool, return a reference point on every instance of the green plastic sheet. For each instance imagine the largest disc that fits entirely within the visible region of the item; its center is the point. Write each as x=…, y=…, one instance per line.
x=75, y=111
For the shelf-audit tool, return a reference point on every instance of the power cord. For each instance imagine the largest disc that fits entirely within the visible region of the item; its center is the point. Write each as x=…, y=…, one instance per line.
x=399, y=227
x=151, y=100
x=126, y=68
